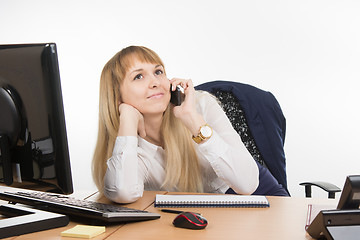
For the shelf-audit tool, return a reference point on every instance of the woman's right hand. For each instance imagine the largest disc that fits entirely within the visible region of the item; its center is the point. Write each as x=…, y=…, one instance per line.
x=131, y=121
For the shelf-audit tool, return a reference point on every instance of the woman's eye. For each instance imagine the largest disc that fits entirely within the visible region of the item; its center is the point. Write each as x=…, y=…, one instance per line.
x=158, y=72
x=139, y=76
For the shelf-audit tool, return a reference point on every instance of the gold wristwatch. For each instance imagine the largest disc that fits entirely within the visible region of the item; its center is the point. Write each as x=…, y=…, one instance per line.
x=205, y=132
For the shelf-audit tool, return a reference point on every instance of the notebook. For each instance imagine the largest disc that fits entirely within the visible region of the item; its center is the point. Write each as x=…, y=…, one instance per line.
x=226, y=200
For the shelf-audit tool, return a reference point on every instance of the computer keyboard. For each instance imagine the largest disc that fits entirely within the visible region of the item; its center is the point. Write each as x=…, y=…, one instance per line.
x=78, y=208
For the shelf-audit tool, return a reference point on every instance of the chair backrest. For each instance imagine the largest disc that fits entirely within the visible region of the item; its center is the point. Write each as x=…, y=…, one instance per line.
x=257, y=116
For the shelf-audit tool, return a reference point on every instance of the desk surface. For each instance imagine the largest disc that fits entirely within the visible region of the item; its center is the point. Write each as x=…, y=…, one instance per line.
x=284, y=219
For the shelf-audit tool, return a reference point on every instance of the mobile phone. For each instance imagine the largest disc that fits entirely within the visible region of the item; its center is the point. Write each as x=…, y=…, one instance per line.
x=177, y=96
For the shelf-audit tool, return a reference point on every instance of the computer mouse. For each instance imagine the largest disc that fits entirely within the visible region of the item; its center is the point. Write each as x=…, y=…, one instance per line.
x=190, y=220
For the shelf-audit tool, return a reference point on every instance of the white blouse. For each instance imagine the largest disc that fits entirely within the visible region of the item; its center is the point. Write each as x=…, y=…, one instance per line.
x=137, y=165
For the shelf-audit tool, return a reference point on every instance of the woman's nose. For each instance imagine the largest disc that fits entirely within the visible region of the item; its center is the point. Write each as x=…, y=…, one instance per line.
x=154, y=82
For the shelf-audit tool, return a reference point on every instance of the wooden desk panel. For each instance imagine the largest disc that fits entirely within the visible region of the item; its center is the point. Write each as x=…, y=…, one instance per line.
x=285, y=219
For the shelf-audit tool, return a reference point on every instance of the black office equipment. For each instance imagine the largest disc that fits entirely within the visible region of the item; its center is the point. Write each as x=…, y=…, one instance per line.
x=350, y=196
x=85, y=209
x=32, y=124
x=336, y=225
x=33, y=140
x=177, y=96
x=190, y=220
x=344, y=222
x=31, y=220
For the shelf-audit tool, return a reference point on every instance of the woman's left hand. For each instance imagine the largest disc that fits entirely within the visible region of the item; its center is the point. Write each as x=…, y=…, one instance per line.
x=186, y=112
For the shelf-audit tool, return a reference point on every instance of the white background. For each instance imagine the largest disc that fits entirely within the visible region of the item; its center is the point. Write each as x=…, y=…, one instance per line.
x=307, y=53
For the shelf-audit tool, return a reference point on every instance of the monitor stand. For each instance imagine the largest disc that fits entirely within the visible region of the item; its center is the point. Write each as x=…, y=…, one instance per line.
x=21, y=220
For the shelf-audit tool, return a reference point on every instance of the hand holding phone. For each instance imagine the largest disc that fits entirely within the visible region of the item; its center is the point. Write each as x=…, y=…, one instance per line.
x=177, y=96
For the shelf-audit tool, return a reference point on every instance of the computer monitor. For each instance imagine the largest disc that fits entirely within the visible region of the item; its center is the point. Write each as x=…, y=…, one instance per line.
x=350, y=196
x=33, y=142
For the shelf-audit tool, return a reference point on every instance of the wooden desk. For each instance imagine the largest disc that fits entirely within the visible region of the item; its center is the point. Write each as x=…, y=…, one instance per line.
x=284, y=219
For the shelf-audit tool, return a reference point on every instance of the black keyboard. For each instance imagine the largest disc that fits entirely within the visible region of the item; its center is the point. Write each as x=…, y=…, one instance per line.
x=85, y=209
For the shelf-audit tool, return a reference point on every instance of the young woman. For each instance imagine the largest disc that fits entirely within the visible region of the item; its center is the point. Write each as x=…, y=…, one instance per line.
x=147, y=143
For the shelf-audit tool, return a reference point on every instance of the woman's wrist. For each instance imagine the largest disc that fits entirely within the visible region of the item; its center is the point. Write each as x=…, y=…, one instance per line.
x=128, y=126
x=193, y=122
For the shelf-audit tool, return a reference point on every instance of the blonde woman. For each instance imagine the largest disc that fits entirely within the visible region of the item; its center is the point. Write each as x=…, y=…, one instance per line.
x=147, y=143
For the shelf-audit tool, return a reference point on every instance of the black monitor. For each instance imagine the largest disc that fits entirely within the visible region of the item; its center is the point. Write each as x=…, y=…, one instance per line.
x=33, y=142
x=350, y=196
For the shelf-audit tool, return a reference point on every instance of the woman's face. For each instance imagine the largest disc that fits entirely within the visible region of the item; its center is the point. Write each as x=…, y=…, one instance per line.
x=146, y=88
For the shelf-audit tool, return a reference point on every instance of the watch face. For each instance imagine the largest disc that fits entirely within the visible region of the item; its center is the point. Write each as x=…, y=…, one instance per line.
x=206, y=131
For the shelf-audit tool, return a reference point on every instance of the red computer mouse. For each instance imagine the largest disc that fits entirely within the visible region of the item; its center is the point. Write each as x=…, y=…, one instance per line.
x=190, y=220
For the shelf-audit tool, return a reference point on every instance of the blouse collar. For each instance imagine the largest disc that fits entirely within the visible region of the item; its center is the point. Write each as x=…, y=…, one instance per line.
x=149, y=147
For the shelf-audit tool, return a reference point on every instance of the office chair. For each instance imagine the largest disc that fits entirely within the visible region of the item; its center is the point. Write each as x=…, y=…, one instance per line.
x=257, y=117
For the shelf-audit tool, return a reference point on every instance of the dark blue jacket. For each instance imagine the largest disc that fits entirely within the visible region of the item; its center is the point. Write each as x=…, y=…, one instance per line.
x=266, y=122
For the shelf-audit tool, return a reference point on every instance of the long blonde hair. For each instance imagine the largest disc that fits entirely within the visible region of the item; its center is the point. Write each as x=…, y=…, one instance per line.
x=182, y=164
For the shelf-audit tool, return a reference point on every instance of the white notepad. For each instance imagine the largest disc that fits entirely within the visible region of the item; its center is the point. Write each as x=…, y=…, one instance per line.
x=225, y=200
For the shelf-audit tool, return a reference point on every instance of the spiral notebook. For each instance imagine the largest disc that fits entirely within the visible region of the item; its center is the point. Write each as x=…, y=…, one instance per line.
x=226, y=200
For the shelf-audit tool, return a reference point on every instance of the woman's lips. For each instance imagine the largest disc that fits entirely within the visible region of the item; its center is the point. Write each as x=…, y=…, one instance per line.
x=156, y=95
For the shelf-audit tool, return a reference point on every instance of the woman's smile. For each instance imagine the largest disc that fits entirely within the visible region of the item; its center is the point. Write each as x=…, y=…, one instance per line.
x=156, y=96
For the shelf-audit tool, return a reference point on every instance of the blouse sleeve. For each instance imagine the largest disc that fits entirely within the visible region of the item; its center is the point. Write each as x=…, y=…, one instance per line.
x=123, y=179
x=225, y=151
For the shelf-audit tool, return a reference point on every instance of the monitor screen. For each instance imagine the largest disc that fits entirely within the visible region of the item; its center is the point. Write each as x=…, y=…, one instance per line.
x=33, y=142
x=350, y=196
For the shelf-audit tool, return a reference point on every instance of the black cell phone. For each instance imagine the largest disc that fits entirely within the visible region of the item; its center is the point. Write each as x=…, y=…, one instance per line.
x=177, y=96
